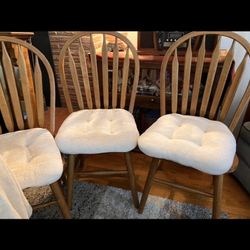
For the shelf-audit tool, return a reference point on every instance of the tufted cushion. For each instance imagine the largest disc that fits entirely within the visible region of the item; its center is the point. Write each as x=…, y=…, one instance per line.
x=33, y=156
x=197, y=142
x=97, y=131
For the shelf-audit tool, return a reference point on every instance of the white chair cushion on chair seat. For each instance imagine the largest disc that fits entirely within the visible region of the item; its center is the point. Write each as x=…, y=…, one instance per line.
x=197, y=142
x=33, y=156
x=97, y=131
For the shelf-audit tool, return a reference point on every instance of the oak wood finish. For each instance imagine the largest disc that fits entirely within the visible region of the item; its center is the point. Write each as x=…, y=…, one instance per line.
x=210, y=79
x=85, y=75
x=105, y=73
x=13, y=110
x=101, y=173
x=197, y=77
x=175, y=73
x=125, y=79
x=163, y=182
x=205, y=108
x=25, y=88
x=240, y=108
x=115, y=74
x=42, y=205
x=222, y=81
x=39, y=93
x=233, y=88
x=152, y=171
x=11, y=82
x=70, y=179
x=104, y=100
x=60, y=200
x=76, y=84
x=93, y=70
x=6, y=111
x=132, y=181
x=186, y=80
x=218, y=185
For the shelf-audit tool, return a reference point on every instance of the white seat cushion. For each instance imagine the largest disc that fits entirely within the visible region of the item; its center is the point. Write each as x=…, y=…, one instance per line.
x=197, y=142
x=97, y=131
x=33, y=157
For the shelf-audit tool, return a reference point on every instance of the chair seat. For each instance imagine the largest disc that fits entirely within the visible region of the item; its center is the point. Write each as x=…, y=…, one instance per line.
x=197, y=142
x=97, y=131
x=33, y=157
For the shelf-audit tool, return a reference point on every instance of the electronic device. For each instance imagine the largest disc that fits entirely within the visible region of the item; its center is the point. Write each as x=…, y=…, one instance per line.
x=164, y=39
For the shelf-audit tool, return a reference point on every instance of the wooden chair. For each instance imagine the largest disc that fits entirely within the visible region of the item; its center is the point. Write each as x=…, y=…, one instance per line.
x=103, y=124
x=194, y=134
x=28, y=149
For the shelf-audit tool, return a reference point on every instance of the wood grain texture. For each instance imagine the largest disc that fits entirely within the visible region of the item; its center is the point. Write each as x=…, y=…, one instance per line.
x=94, y=73
x=11, y=82
x=125, y=72
x=222, y=81
x=210, y=78
x=175, y=73
x=85, y=75
x=6, y=111
x=243, y=103
x=115, y=74
x=186, y=78
x=25, y=88
x=218, y=189
x=105, y=76
x=197, y=76
x=39, y=93
x=75, y=79
x=233, y=88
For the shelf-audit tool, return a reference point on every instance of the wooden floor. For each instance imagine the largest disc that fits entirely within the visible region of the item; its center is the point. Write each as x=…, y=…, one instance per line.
x=236, y=201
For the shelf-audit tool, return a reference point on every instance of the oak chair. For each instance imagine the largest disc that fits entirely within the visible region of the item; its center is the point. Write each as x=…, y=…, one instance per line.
x=102, y=124
x=27, y=147
x=195, y=134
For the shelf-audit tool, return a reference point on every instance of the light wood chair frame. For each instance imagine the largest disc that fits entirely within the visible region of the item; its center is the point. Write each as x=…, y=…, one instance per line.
x=32, y=90
x=97, y=97
x=216, y=105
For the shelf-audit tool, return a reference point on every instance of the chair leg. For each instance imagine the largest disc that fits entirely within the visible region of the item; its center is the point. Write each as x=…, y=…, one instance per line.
x=131, y=175
x=63, y=179
x=79, y=162
x=153, y=167
x=55, y=187
x=218, y=188
x=70, y=179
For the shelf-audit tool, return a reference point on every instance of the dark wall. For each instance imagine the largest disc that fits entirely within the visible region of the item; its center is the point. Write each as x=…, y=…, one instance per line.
x=41, y=41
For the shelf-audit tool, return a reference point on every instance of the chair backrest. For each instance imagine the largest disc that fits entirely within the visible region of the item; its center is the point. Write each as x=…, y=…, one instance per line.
x=99, y=89
x=207, y=95
x=21, y=86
